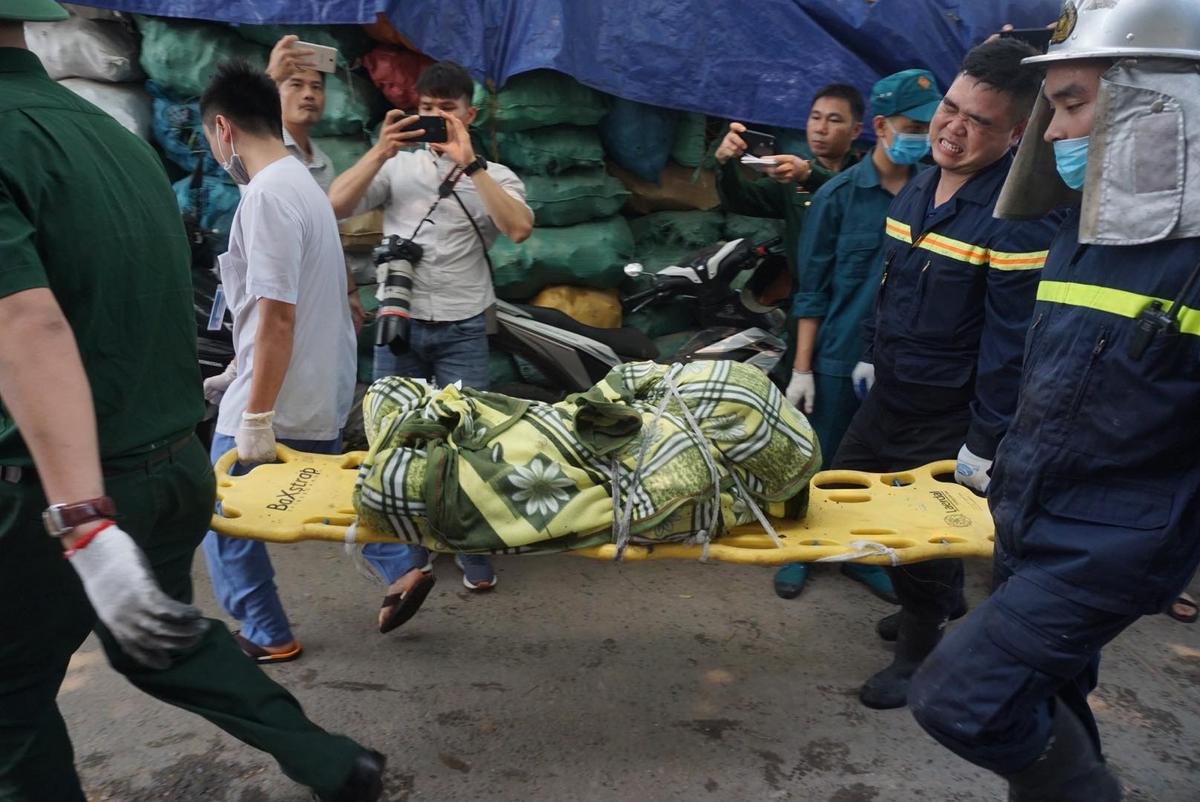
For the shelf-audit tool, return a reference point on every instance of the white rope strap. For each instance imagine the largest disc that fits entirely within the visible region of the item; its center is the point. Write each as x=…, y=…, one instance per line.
x=623, y=516
x=864, y=548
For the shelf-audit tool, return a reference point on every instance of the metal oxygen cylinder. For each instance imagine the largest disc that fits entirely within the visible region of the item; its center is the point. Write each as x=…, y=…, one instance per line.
x=396, y=261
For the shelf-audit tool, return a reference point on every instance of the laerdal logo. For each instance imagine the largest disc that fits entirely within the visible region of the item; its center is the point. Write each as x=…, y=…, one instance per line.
x=298, y=487
x=944, y=499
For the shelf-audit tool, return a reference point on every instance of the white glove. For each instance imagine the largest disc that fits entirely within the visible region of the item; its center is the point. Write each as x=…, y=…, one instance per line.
x=863, y=379
x=255, y=438
x=802, y=391
x=145, y=621
x=972, y=471
x=215, y=386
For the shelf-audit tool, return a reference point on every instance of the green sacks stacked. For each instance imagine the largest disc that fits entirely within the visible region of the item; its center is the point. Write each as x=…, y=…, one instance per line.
x=182, y=55
x=541, y=124
x=585, y=255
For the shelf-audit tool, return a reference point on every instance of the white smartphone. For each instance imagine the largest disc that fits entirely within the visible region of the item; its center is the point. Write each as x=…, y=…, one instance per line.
x=323, y=58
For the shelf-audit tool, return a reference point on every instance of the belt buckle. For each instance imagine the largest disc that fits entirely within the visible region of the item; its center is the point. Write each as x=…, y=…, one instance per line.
x=11, y=474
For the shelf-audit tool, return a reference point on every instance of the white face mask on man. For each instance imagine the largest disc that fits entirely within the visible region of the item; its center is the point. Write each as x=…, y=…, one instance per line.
x=234, y=166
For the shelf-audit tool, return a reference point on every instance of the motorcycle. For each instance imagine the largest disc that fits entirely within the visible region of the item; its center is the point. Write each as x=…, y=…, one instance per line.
x=734, y=291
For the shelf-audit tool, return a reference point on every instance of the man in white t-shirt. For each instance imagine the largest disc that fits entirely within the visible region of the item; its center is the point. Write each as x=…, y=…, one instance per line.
x=285, y=280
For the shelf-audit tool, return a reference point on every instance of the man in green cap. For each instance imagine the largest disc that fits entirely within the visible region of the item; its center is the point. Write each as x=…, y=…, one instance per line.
x=99, y=394
x=837, y=270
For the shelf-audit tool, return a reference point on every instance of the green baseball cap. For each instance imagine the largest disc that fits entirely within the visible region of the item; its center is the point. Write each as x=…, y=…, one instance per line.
x=32, y=11
x=910, y=93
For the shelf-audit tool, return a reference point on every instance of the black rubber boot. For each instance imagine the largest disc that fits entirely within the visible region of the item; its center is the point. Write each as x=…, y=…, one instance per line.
x=1070, y=770
x=888, y=627
x=888, y=689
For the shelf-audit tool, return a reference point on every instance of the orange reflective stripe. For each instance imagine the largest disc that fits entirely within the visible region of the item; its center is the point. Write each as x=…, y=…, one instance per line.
x=900, y=231
x=955, y=249
x=1032, y=260
x=966, y=251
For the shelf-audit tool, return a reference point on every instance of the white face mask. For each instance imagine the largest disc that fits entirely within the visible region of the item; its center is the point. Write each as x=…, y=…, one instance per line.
x=237, y=171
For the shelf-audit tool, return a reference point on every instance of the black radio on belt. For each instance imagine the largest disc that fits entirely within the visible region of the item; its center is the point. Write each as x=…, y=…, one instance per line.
x=1154, y=321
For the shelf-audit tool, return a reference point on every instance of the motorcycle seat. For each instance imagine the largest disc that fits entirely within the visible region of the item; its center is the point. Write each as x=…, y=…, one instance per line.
x=626, y=341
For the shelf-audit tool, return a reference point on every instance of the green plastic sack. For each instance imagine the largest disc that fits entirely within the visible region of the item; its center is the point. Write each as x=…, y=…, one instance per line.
x=587, y=255
x=549, y=151
x=343, y=151
x=665, y=238
x=576, y=197
x=537, y=99
x=351, y=41
x=756, y=229
x=690, y=144
x=182, y=55
x=349, y=107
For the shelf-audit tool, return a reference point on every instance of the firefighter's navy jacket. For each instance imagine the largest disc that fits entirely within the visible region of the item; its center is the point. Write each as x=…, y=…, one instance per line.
x=1096, y=487
x=955, y=298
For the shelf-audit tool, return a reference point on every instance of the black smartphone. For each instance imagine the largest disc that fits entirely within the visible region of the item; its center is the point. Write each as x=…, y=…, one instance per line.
x=758, y=143
x=435, y=129
x=1038, y=38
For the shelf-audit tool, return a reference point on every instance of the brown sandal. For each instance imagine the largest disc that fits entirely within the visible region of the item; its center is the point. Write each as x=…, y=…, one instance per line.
x=404, y=605
x=262, y=656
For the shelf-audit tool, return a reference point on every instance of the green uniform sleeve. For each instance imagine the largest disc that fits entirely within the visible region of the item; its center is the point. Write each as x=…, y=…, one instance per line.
x=817, y=257
x=763, y=197
x=20, y=266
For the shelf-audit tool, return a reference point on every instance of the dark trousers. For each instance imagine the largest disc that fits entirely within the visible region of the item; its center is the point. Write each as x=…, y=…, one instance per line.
x=45, y=616
x=988, y=691
x=902, y=426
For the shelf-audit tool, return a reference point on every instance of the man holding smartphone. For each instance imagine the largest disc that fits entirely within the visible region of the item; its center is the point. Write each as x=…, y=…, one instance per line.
x=452, y=290
x=834, y=121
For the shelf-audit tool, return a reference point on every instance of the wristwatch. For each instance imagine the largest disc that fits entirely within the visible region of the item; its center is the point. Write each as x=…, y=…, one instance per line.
x=480, y=163
x=61, y=519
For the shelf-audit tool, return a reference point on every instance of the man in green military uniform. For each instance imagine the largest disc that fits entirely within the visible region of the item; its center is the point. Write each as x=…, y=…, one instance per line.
x=837, y=271
x=99, y=393
x=834, y=122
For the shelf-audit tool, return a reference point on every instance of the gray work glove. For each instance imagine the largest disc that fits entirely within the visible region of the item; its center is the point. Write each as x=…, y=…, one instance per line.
x=255, y=438
x=972, y=471
x=215, y=386
x=863, y=379
x=802, y=391
x=146, y=622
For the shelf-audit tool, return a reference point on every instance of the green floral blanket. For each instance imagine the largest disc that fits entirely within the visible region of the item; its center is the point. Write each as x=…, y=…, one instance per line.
x=688, y=447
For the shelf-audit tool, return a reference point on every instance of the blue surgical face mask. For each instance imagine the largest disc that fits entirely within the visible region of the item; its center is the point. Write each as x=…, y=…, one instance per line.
x=1070, y=157
x=907, y=148
x=237, y=171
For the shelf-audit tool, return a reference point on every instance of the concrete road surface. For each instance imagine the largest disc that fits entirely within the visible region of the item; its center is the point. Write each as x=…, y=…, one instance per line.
x=579, y=680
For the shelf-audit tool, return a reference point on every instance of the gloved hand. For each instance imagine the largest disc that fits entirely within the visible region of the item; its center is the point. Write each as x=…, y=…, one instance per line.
x=863, y=379
x=255, y=438
x=972, y=471
x=802, y=391
x=215, y=386
x=145, y=621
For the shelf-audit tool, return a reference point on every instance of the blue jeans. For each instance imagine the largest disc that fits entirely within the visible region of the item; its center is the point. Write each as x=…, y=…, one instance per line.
x=243, y=579
x=443, y=353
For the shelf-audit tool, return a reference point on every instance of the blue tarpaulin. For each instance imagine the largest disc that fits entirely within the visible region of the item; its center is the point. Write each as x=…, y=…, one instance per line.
x=755, y=61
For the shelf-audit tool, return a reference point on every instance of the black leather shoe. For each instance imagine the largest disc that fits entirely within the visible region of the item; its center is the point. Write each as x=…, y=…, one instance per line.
x=365, y=783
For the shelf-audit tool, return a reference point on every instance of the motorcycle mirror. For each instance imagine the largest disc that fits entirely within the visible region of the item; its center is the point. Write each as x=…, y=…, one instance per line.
x=634, y=269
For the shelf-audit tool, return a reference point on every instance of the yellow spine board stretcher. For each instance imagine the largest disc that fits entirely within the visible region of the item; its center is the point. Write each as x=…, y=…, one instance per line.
x=884, y=519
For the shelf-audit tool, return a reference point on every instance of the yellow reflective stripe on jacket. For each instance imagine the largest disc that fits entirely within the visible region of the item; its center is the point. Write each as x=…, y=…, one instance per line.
x=1115, y=302
x=900, y=231
x=965, y=251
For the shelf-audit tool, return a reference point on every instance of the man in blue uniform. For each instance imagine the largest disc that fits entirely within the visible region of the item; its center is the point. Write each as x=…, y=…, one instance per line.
x=953, y=303
x=1096, y=489
x=835, y=283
